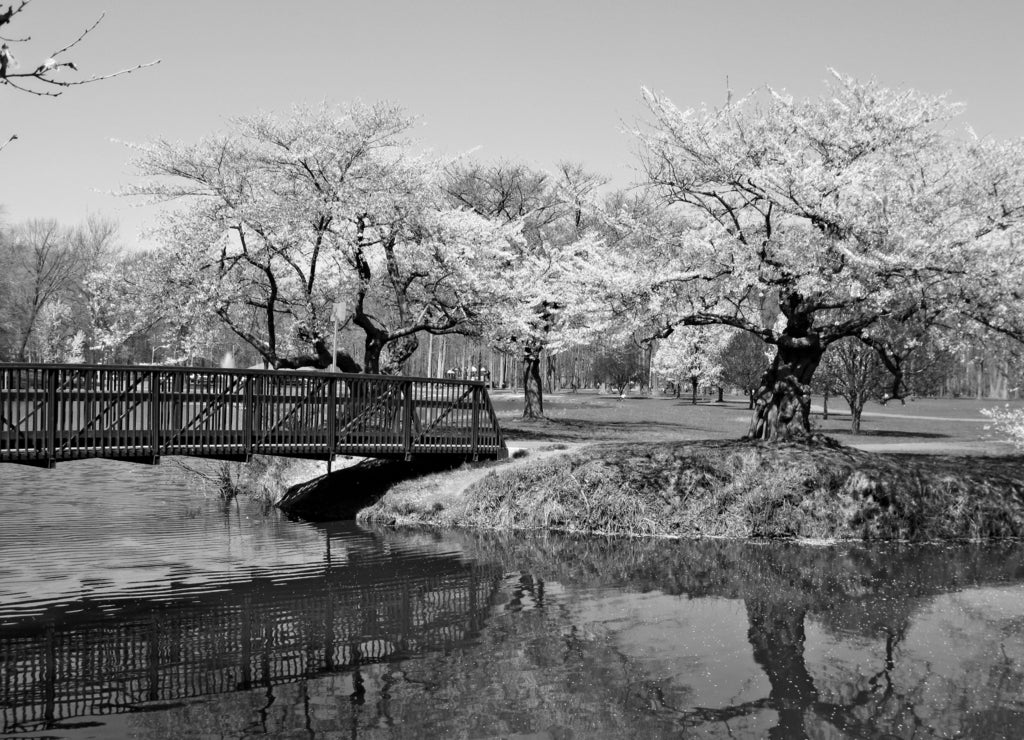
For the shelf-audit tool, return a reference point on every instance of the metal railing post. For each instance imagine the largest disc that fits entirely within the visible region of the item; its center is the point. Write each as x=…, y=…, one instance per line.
x=247, y=411
x=332, y=421
x=475, y=433
x=178, y=387
x=154, y=414
x=51, y=417
x=260, y=390
x=407, y=419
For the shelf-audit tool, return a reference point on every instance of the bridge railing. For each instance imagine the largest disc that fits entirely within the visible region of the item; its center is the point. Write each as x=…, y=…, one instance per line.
x=50, y=413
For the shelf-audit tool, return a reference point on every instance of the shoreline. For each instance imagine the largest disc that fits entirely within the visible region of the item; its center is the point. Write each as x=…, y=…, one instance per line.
x=722, y=489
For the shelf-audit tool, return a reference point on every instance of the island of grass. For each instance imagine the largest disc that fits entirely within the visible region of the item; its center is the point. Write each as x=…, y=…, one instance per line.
x=663, y=467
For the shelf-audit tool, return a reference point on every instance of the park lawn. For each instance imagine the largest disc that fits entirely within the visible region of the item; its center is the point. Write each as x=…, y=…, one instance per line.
x=945, y=426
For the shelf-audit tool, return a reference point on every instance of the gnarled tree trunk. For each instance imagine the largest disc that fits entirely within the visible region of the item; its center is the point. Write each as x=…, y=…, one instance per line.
x=321, y=359
x=396, y=353
x=782, y=406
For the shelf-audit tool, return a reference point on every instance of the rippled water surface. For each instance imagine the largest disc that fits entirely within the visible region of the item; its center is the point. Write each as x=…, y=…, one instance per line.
x=133, y=605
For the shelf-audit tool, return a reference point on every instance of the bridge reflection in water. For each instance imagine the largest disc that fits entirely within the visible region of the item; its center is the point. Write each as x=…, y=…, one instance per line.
x=89, y=658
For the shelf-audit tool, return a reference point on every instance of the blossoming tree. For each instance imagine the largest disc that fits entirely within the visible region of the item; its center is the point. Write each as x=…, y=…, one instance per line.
x=693, y=355
x=833, y=214
x=281, y=219
x=539, y=295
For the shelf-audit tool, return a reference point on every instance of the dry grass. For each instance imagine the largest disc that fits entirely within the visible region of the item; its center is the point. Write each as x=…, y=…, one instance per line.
x=263, y=479
x=439, y=498
x=744, y=490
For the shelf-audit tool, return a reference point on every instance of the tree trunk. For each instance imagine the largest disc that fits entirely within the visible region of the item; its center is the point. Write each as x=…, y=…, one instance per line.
x=533, y=391
x=321, y=360
x=720, y=392
x=551, y=371
x=396, y=353
x=856, y=410
x=782, y=410
x=372, y=347
x=776, y=632
x=693, y=389
x=824, y=406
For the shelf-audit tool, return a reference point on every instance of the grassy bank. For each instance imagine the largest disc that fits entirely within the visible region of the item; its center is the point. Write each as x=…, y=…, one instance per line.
x=732, y=489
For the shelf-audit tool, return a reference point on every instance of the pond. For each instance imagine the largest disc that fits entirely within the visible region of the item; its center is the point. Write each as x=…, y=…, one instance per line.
x=131, y=604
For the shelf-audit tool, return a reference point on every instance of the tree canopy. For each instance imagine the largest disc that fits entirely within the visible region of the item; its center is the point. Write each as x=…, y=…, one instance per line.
x=807, y=222
x=282, y=218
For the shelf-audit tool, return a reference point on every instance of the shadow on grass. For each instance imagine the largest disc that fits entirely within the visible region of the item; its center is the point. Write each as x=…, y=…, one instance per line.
x=582, y=430
x=883, y=433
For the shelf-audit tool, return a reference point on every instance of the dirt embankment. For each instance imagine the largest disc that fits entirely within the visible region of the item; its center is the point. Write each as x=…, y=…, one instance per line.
x=726, y=489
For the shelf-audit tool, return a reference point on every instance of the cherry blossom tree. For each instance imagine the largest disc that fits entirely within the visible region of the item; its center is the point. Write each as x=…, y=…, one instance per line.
x=1008, y=421
x=282, y=218
x=832, y=214
x=541, y=298
x=693, y=355
x=129, y=301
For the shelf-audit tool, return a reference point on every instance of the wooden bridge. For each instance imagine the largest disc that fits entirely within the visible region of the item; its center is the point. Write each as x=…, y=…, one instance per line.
x=54, y=413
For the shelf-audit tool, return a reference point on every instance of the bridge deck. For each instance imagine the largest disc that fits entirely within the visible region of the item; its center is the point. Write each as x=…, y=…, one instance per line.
x=52, y=413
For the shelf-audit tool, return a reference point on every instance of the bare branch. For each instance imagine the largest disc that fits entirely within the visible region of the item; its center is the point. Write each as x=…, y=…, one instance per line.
x=82, y=36
x=30, y=91
x=39, y=74
x=42, y=73
x=5, y=16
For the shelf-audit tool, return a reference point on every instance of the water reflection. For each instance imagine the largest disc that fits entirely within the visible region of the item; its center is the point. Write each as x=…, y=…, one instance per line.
x=906, y=641
x=398, y=634
x=372, y=604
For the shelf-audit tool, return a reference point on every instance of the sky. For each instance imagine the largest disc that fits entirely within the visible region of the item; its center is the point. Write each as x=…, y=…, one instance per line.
x=539, y=82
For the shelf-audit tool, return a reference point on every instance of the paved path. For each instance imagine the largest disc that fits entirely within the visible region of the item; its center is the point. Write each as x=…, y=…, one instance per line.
x=817, y=409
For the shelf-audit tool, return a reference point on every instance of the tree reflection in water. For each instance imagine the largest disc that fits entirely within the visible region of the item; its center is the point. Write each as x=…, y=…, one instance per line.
x=476, y=635
x=870, y=597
